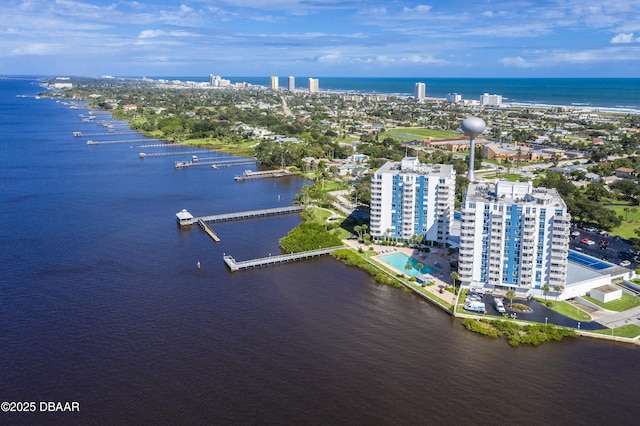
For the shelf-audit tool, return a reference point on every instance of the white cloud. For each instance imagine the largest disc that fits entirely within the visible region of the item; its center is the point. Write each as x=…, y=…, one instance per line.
x=623, y=38
x=31, y=49
x=151, y=33
x=517, y=62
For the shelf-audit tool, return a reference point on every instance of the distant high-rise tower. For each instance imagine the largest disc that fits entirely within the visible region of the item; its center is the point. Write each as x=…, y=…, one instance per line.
x=274, y=82
x=420, y=91
x=314, y=85
x=490, y=100
x=292, y=83
x=453, y=98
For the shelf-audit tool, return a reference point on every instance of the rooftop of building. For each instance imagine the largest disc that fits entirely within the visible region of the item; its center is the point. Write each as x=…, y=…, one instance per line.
x=522, y=193
x=411, y=165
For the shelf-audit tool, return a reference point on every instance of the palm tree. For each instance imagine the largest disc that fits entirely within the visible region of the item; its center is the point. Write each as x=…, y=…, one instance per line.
x=545, y=289
x=408, y=266
x=558, y=289
x=419, y=267
x=511, y=294
x=454, y=278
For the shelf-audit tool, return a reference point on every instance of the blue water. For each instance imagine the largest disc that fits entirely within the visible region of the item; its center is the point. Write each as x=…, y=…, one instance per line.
x=400, y=260
x=101, y=303
x=608, y=93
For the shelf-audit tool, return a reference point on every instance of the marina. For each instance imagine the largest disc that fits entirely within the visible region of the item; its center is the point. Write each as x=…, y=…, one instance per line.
x=274, y=260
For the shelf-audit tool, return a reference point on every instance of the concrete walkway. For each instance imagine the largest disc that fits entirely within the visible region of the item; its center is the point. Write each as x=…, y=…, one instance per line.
x=441, y=277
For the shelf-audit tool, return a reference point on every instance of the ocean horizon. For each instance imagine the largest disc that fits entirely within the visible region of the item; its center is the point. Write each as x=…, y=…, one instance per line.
x=618, y=95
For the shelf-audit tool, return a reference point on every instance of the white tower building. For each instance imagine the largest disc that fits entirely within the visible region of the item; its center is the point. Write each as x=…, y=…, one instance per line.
x=291, y=83
x=274, y=82
x=413, y=199
x=513, y=236
x=314, y=85
x=419, y=91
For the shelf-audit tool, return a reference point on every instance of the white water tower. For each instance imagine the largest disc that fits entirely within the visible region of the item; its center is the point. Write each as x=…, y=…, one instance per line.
x=472, y=127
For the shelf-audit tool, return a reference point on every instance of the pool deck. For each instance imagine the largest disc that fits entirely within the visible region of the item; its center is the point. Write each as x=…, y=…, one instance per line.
x=440, y=256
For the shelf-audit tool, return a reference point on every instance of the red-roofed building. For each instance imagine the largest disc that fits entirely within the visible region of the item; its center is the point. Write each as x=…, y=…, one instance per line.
x=624, y=172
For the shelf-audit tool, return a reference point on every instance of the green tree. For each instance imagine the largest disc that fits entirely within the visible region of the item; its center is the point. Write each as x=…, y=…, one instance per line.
x=454, y=278
x=511, y=294
x=545, y=289
x=558, y=289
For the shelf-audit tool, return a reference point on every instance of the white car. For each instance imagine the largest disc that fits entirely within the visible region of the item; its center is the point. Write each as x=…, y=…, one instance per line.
x=575, y=233
x=625, y=263
x=590, y=242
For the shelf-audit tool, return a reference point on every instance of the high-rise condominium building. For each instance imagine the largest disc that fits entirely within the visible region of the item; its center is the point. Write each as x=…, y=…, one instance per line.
x=490, y=100
x=314, y=85
x=453, y=98
x=292, y=83
x=412, y=199
x=274, y=82
x=419, y=91
x=513, y=236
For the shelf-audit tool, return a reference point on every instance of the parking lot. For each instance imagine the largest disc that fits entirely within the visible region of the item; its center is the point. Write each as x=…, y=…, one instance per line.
x=606, y=247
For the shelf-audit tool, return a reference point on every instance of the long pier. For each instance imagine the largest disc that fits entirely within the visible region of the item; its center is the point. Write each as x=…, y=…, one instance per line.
x=214, y=163
x=117, y=141
x=114, y=133
x=248, y=214
x=208, y=230
x=166, y=154
x=248, y=174
x=274, y=260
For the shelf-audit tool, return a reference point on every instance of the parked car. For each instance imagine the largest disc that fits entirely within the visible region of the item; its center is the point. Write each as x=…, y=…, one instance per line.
x=590, y=242
x=625, y=263
x=575, y=233
x=584, y=240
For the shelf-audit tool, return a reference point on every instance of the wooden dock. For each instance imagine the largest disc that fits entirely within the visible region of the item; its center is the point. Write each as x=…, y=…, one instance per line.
x=117, y=141
x=248, y=174
x=248, y=214
x=214, y=163
x=113, y=133
x=208, y=230
x=274, y=260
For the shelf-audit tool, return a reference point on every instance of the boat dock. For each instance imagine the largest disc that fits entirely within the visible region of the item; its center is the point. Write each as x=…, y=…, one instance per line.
x=185, y=218
x=166, y=154
x=114, y=142
x=82, y=134
x=274, y=260
x=250, y=214
x=214, y=163
x=208, y=230
x=248, y=174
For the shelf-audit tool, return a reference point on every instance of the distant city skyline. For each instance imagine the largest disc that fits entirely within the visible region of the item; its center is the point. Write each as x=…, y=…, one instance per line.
x=547, y=38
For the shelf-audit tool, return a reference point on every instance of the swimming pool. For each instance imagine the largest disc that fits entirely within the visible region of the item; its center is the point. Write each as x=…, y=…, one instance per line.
x=400, y=260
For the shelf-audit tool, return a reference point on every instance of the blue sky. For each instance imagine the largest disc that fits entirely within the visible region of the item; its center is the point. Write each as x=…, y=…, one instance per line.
x=392, y=38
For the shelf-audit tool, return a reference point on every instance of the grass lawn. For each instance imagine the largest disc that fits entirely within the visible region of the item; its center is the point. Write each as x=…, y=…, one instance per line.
x=410, y=133
x=630, y=221
x=568, y=310
x=626, y=302
x=629, y=330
